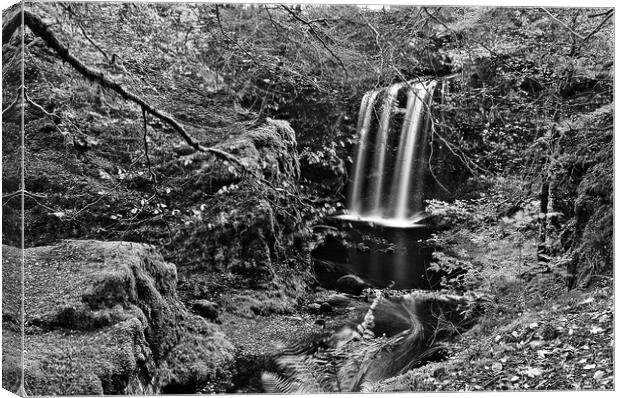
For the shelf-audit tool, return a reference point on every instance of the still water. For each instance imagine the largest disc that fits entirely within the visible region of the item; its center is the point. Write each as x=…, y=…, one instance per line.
x=380, y=254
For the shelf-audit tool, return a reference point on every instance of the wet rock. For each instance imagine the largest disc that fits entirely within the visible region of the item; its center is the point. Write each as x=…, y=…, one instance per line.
x=439, y=372
x=313, y=308
x=206, y=309
x=351, y=284
x=338, y=300
x=331, y=249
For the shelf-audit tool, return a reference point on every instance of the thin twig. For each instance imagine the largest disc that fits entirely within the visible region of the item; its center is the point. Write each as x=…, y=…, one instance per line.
x=15, y=101
x=146, y=150
x=39, y=28
x=599, y=26
x=316, y=35
x=50, y=115
x=562, y=23
x=79, y=23
x=219, y=22
x=377, y=36
x=39, y=107
x=601, y=13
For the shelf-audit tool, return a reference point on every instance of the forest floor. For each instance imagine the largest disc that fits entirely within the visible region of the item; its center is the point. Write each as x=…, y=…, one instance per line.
x=535, y=334
x=559, y=344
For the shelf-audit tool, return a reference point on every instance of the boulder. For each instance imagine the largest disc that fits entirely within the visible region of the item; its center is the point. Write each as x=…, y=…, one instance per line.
x=351, y=284
x=338, y=300
x=313, y=308
x=104, y=318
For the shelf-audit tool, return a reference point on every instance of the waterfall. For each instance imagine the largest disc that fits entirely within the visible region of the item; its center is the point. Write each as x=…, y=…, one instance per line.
x=372, y=197
x=378, y=169
x=363, y=126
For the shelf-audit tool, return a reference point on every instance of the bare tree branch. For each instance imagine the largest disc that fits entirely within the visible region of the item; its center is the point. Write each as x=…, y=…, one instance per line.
x=235, y=42
x=601, y=13
x=15, y=101
x=79, y=23
x=316, y=35
x=146, y=151
x=609, y=15
x=377, y=36
x=39, y=28
x=562, y=23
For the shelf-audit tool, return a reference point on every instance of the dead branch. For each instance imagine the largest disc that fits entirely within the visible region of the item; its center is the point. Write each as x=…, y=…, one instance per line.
x=79, y=23
x=377, y=36
x=146, y=150
x=230, y=39
x=15, y=101
x=52, y=116
x=39, y=28
x=609, y=14
x=316, y=35
x=562, y=23
x=430, y=163
x=601, y=13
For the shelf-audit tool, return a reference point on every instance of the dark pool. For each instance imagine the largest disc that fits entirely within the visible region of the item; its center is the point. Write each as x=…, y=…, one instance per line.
x=379, y=255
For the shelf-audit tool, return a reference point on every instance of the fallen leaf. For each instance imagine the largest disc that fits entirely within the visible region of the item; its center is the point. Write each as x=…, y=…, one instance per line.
x=589, y=366
x=497, y=367
x=598, y=374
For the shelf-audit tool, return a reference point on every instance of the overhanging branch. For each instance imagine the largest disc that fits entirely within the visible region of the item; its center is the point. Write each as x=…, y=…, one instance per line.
x=316, y=35
x=40, y=29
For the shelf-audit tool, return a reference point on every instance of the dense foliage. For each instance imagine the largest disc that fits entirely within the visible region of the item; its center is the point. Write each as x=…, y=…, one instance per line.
x=520, y=167
x=530, y=93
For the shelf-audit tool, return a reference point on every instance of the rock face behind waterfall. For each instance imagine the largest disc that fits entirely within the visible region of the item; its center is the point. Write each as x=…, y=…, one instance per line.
x=104, y=318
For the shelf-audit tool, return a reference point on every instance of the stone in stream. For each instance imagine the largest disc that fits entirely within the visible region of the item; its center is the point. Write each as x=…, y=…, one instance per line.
x=325, y=308
x=351, y=284
x=338, y=300
x=313, y=308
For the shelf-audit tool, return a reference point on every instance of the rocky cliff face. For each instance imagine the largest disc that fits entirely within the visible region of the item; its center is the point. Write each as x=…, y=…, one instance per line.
x=104, y=318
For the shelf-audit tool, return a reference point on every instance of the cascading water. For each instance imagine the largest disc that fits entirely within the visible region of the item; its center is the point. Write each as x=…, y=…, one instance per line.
x=372, y=197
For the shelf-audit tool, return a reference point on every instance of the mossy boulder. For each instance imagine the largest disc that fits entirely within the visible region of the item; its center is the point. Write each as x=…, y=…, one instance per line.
x=245, y=221
x=104, y=318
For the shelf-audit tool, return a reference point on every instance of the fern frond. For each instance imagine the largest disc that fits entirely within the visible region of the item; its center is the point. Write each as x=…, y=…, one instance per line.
x=274, y=384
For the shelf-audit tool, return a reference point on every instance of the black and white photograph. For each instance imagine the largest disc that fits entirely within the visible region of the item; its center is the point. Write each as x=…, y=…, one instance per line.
x=307, y=198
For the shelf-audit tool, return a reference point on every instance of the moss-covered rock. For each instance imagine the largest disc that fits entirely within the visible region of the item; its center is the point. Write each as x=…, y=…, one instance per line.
x=246, y=222
x=104, y=318
x=11, y=315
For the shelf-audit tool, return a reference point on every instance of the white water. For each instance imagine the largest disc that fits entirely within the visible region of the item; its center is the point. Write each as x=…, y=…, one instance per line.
x=401, y=204
x=414, y=134
x=363, y=126
x=378, y=169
